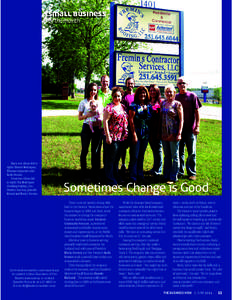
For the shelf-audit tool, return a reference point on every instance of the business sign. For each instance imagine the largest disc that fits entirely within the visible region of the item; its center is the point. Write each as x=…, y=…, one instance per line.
x=204, y=89
x=146, y=68
x=146, y=24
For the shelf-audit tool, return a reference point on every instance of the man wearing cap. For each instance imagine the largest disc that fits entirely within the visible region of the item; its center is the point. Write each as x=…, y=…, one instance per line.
x=191, y=127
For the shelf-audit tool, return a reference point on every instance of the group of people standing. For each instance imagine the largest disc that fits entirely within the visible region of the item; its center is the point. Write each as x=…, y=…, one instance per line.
x=132, y=120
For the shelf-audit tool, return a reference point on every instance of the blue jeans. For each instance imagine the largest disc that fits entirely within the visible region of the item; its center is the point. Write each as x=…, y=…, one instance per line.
x=190, y=140
x=171, y=160
x=156, y=147
x=137, y=152
x=112, y=156
x=86, y=136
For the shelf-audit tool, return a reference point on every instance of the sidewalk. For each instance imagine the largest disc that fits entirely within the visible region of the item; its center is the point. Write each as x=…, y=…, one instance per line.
x=206, y=112
x=59, y=112
x=211, y=112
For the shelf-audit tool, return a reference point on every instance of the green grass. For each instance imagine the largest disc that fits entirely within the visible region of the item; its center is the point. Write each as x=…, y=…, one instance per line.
x=49, y=95
x=61, y=147
x=71, y=103
x=211, y=104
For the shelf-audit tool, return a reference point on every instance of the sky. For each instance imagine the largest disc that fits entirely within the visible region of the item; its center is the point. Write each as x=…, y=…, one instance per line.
x=202, y=39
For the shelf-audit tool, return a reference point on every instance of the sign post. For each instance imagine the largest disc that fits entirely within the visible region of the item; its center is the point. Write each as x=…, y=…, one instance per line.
x=112, y=18
x=204, y=90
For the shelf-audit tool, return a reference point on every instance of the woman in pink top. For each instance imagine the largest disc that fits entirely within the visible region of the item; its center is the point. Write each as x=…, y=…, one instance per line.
x=115, y=121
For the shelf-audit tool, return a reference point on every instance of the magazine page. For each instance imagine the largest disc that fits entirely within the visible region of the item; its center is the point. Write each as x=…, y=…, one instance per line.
x=116, y=150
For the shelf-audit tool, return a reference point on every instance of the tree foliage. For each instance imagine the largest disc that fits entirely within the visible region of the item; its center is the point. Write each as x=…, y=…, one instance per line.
x=218, y=94
x=80, y=47
x=48, y=79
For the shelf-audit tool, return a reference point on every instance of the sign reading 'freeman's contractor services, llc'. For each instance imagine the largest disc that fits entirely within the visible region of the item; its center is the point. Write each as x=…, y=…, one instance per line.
x=148, y=24
x=146, y=68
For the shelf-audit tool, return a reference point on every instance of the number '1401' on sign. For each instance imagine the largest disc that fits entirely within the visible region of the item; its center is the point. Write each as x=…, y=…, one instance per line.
x=148, y=3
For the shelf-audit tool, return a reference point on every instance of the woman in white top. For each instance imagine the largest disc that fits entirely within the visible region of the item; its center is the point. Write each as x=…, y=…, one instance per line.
x=87, y=135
